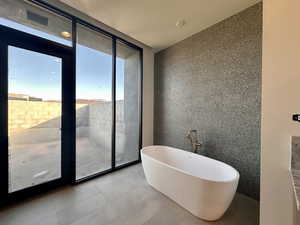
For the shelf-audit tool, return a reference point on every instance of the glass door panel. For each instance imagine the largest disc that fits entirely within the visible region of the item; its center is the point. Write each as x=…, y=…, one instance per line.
x=128, y=79
x=93, y=102
x=34, y=118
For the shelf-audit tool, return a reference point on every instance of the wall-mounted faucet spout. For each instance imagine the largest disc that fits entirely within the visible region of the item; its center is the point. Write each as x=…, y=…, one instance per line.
x=193, y=137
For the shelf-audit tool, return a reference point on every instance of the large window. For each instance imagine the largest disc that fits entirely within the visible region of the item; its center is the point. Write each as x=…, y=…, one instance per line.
x=128, y=79
x=70, y=109
x=93, y=102
x=102, y=140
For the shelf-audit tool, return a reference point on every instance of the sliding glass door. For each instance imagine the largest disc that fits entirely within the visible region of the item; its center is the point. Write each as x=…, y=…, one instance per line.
x=108, y=103
x=128, y=92
x=93, y=102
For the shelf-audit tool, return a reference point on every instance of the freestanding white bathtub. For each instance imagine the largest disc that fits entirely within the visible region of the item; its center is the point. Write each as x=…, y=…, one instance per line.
x=202, y=185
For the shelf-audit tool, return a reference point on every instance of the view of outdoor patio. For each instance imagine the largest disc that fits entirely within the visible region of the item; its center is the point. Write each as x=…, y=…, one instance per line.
x=35, y=140
x=35, y=122
x=35, y=90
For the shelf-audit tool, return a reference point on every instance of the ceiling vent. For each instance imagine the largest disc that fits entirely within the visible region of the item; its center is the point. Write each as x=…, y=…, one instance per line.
x=42, y=20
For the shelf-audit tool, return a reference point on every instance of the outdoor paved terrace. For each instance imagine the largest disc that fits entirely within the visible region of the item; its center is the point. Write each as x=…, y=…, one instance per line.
x=35, y=141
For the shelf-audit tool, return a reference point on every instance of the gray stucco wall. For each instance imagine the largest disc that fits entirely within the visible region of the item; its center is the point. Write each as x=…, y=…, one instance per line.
x=211, y=82
x=100, y=120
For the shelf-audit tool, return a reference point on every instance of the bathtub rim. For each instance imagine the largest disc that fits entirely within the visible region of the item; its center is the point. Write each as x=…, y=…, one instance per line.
x=235, y=178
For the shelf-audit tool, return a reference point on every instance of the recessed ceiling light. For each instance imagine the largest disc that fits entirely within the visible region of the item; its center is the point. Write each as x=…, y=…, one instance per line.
x=65, y=34
x=180, y=23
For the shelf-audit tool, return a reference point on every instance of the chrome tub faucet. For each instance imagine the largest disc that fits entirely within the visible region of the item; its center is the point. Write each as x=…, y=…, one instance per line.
x=193, y=137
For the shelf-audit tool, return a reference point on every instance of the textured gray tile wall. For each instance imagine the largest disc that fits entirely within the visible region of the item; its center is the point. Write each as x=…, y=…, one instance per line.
x=211, y=82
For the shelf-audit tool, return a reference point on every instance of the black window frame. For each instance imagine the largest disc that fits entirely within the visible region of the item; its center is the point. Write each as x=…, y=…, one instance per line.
x=71, y=170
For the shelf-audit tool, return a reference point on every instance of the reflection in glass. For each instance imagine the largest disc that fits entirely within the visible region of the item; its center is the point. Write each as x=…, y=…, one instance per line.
x=29, y=18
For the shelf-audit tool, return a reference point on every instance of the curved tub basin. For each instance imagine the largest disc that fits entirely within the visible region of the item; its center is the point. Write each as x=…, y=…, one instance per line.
x=203, y=186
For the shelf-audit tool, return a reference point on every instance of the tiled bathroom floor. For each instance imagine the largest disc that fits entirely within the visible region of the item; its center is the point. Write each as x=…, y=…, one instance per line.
x=120, y=198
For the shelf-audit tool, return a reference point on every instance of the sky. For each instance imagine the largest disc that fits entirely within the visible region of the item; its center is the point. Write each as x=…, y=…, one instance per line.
x=39, y=75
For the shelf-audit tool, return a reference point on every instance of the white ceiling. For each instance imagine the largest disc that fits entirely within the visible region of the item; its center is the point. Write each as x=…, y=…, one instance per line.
x=153, y=21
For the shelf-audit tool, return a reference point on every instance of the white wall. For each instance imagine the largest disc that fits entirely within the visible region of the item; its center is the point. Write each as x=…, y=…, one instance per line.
x=148, y=66
x=280, y=99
